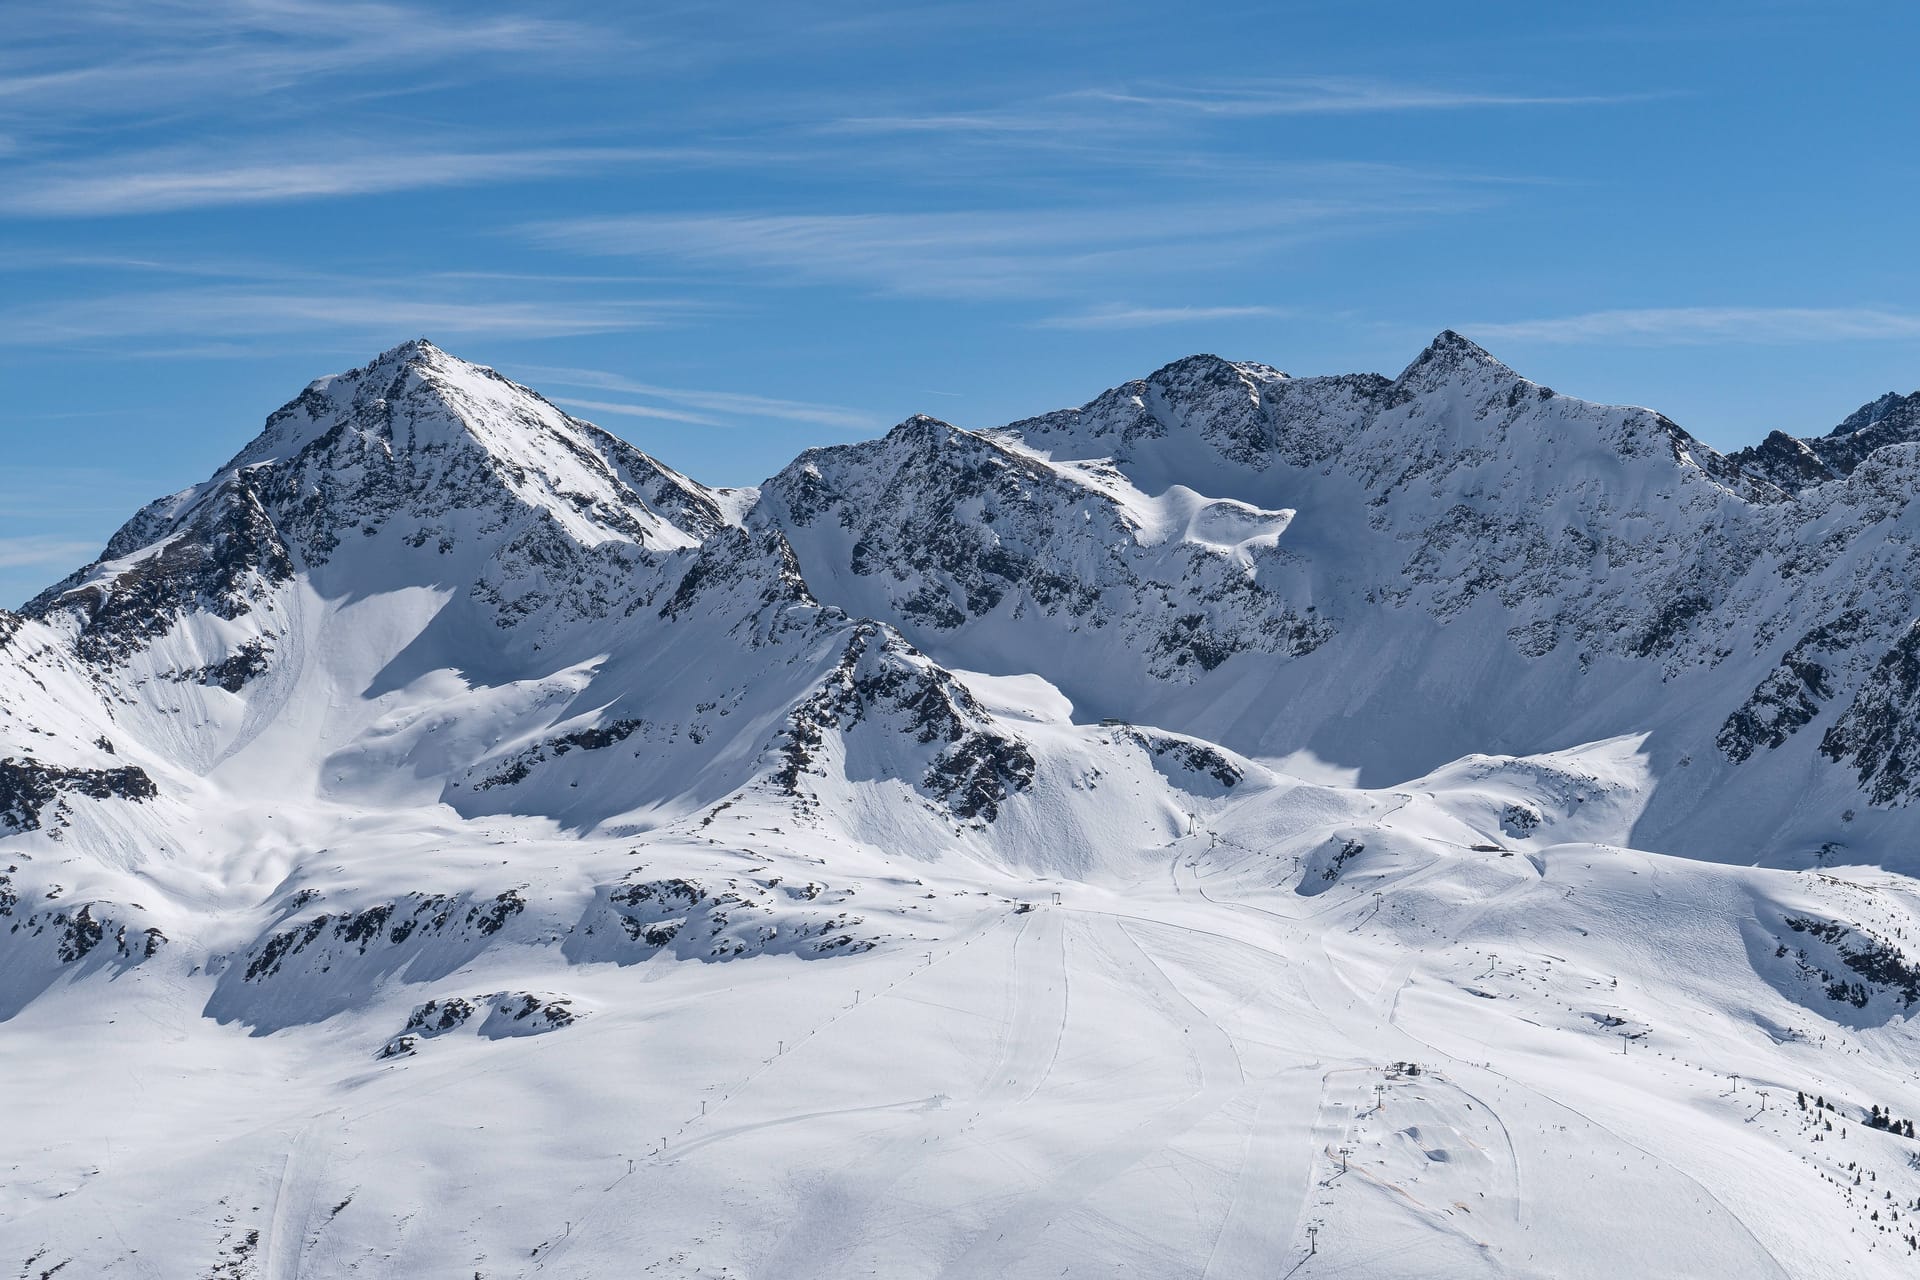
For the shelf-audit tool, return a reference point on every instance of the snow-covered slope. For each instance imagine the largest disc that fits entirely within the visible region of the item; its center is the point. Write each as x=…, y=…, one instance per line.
x=1361, y=825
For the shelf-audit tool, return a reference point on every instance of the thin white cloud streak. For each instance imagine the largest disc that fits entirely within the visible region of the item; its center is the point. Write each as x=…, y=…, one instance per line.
x=1709, y=325
x=733, y=404
x=132, y=185
x=217, y=313
x=1149, y=317
x=1332, y=95
x=189, y=56
x=639, y=411
x=1096, y=110
x=988, y=122
x=989, y=253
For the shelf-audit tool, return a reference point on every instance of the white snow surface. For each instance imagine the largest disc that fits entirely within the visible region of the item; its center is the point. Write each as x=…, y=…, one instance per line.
x=1247, y=826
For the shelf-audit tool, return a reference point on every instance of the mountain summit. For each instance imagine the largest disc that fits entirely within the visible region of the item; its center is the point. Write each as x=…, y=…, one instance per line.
x=413, y=458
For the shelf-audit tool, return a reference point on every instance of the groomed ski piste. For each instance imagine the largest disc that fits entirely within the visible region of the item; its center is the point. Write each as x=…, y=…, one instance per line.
x=591, y=895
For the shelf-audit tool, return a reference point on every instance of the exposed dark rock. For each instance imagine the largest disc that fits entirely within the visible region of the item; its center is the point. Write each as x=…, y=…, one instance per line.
x=1791, y=696
x=520, y=766
x=1876, y=964
x=244, y=664
x=1879, y=734
x=28, y=787
x=1797, y=464
x=224, y=555
x=1520, y=820
x=385, y=925
x=879, y=675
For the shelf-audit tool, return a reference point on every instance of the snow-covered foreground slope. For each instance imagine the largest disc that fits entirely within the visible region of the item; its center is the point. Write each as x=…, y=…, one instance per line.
x=1245, y=826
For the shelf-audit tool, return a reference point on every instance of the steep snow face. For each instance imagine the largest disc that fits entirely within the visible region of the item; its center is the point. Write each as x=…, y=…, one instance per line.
x=418, y=433
x=1206, y=419
x=984, y=548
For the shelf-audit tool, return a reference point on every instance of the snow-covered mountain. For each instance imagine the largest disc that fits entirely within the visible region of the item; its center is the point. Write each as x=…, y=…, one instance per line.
x=448, y=840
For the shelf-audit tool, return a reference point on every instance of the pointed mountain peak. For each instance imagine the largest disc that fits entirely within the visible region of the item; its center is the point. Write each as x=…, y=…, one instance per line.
x=442, y=452
x=921, y=427
x=1206, y=367
x=1451, y=360
x=1447, y=355
x=412, y=350
x=414, y=353
x=1891, y=409
x=410, y=395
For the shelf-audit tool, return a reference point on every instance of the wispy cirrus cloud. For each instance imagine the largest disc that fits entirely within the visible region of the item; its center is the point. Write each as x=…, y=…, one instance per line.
x=243, y=312
x=998, y=253
x=624, y=410
x=711, y=408
x=1148, y=317
x=1122, y=109
x=160, y=183
x=1707, y=325
x=97, y=58
x=1332, y=95
x=1001, y=121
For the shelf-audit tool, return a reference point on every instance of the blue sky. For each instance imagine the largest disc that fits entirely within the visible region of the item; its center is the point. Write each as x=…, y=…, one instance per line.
x=730, y=231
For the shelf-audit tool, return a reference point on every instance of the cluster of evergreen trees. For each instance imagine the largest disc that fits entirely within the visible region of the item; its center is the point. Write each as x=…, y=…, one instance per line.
x=1877, y=1118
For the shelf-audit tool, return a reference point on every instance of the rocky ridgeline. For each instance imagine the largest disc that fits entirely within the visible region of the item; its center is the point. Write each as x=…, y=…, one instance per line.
x=936, y=528
x=329, y=962
x=35, y=794
x=884, y=684
x=500, y=1014
x=1846, y=964
x=1794, y=463
x=729, y=918
x=45, y=941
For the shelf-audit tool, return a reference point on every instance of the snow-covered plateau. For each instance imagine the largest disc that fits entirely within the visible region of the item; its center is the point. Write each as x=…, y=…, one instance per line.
x=1244, y=826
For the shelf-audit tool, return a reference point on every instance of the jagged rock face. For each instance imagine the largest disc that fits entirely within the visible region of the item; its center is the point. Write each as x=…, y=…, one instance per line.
x=1794, y=463
x=736, y=566
x=882, y=683
x=1892, y=419
x=29, y=789
x=937, y=528
x=1783, y=461
x=1220, y=517
x=1247, y=415
x=1879, y=734
x=417, y=436
x=217, y=553
x=1792, y=695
